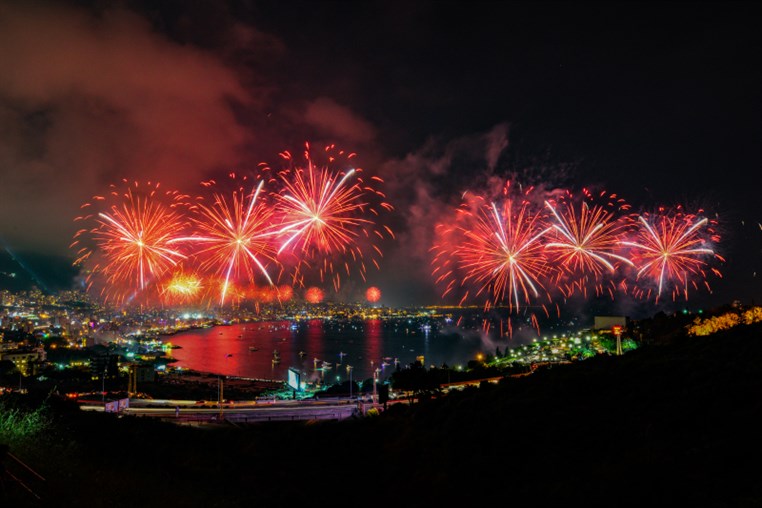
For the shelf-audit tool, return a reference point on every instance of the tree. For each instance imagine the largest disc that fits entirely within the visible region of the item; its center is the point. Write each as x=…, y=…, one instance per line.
x=8, y=368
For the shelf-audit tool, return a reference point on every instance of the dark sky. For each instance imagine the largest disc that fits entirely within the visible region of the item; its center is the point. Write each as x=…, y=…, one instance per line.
x=658, y=102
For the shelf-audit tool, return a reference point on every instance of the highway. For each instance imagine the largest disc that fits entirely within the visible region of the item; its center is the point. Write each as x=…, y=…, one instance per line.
x=190, y=412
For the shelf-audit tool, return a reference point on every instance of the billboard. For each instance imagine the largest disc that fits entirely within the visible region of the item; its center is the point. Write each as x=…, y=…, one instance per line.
x=294, y=379
x=115, y=406
x=608, y=322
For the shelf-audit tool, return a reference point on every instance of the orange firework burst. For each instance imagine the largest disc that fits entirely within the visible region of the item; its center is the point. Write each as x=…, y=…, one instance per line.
x=270, y=294
x=182, y=287
x=132, y=244
x=328, y=215
x=285, y=293
x=373, y=294
x=233, y=237
x=672, y=250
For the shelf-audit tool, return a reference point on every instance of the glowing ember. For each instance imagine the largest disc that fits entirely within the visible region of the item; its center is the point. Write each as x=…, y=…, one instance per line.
x=373, y=294
x=314, y=295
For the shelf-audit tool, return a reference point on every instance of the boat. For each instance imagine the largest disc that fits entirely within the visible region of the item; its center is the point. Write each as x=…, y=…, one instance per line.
x=276, y=357
x=253, y=348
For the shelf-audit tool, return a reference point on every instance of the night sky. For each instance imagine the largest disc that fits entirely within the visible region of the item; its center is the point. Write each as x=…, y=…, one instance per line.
x=658, y=102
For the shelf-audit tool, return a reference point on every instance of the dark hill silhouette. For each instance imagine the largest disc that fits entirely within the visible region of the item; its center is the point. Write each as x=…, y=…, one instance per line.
x=668, y=425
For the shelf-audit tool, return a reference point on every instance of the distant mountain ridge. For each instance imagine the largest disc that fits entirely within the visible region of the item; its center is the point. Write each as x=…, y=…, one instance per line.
x=20, y=271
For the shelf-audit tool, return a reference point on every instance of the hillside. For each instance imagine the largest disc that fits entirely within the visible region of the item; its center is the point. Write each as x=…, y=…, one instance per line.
x=666, y=425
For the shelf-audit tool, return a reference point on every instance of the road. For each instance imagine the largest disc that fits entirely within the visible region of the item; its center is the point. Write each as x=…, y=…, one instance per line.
x=189, y=412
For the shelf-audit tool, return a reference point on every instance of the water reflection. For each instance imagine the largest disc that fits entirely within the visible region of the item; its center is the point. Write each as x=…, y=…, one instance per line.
x=319, y=349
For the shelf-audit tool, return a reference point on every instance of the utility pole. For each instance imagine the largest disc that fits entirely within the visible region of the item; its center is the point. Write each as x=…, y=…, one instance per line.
x=349, y=371
x=132, y=380
x=219, y=379
x=618, y=332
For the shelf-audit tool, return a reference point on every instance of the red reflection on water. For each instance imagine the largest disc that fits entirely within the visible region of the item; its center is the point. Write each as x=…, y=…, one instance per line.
x=237, y=350
x=315, y=335
x=374, y=336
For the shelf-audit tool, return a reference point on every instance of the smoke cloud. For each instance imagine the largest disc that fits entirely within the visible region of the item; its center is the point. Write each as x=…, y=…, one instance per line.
x=86, y=100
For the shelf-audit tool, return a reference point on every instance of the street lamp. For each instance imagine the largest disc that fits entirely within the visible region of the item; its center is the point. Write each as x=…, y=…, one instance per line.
x=220, y=386
x=375, y=380
x=103, y=385
x=349, y=371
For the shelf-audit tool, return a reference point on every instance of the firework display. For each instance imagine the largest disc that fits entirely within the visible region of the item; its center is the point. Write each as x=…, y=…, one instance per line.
x=131, y=245
x=585, y=240
x=232, y=236
x=327, y=213
x=259, y=236
x=502, y=253
x=235, y=241
x=519, y=249
x=182, y=287
x=672, y=252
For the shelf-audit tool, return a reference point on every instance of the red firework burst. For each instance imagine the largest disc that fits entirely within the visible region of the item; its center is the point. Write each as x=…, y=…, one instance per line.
x=672, y=250
x=233, y=235
x=132, y=244
x=585, y=239
x=285, y=293
x=314, y=295
x=373, y=294
x=498, y=248
x=328, y=215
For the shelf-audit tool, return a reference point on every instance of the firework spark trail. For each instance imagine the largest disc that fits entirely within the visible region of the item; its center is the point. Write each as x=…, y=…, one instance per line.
x=670, y=251
x=133, y=240
x=235, y=237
